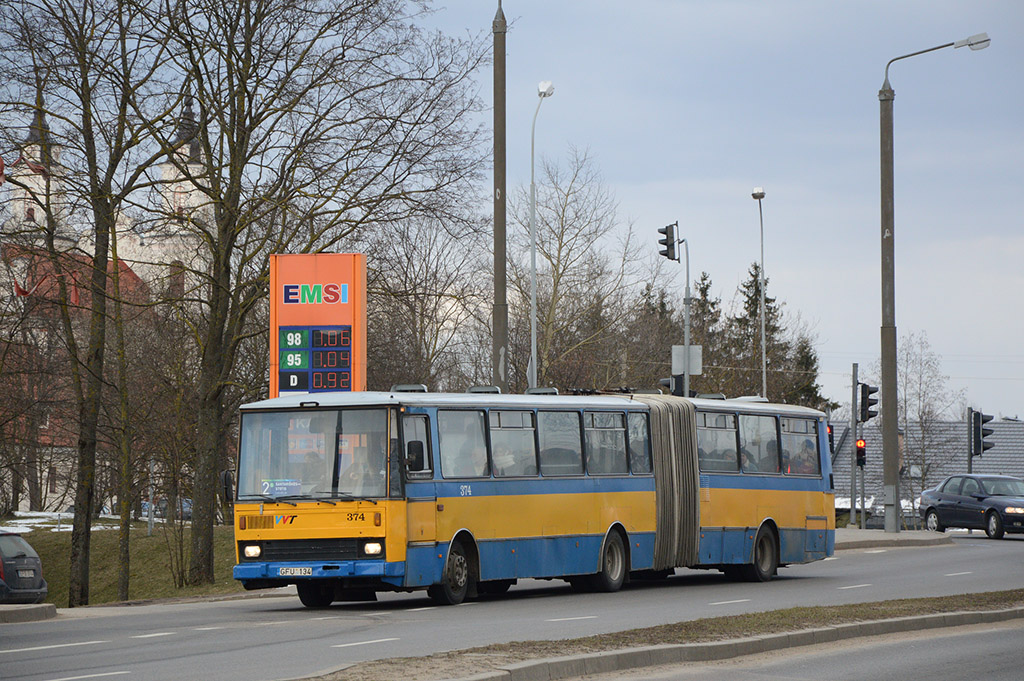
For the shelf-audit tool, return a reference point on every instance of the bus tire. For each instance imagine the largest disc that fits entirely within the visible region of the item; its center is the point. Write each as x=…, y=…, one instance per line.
x=455, y=581
x=315, y=593
x=766, y=557
x=495, y=587
x=613, y=565
x=579, y=584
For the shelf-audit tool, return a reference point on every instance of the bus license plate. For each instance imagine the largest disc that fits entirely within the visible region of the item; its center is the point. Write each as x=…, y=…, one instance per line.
x=295, y=572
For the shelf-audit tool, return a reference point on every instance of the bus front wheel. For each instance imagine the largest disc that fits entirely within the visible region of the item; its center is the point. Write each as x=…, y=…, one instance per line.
x=613, y=565
x=766, y=557
x=455, y=582
x=315, y=594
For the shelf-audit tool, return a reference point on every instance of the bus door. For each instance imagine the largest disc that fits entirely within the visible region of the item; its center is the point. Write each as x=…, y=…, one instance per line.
x=421, y=507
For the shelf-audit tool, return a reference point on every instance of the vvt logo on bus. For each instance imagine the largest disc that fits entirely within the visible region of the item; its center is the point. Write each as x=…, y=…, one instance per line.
x=312, y=294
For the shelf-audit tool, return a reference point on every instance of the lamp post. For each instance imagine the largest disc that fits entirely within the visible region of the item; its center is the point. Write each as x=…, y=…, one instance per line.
x=890, y=434
x=544, y=90
x=758, y=194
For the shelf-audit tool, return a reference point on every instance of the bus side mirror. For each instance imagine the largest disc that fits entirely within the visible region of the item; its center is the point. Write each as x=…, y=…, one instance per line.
x=227, y=483
x=414, y=456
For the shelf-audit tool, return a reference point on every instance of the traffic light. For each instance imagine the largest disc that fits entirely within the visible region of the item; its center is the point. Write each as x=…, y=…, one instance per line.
x=867, y=401
x=862, y=455
x=979, y=432
x=669, y=242
x=831, y=440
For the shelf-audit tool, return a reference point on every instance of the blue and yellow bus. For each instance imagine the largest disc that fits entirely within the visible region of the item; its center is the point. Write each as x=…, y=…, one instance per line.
x=348, y=494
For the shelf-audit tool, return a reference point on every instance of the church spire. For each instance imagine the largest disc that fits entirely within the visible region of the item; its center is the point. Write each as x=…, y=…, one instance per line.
x=39, y=131
x=187, y=131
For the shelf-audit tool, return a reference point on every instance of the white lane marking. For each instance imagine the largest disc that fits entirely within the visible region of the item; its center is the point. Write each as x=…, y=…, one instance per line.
x=958, y=574
x=570, y=619
x=207, y=628
x=741, y=600
x=831, y=558
x=855, y=586
x=58, y=645
x=332, y=617
x=90, y=676
x=364, y=643
x=161, y=633
x=429, y=607
x=876, y=551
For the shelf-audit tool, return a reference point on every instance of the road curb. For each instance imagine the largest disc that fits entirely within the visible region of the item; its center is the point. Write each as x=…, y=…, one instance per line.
x=893, y=543
x=572, y=666
x=15, y=614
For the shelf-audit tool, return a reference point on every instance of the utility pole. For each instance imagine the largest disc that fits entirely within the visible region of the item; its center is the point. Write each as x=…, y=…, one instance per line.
x=853, y=450
x=499, y=358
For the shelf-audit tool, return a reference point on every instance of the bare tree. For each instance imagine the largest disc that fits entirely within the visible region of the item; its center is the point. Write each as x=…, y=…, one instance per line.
x=925, y=402
x=95, y=63
x=425, y=287
x=317, y=119
x=588, y=266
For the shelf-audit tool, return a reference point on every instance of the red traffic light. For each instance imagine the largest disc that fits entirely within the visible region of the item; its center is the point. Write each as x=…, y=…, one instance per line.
x=862, y=452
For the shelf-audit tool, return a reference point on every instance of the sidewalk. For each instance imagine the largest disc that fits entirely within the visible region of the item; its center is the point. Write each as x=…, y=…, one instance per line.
x=852, y=538
x=846, y=538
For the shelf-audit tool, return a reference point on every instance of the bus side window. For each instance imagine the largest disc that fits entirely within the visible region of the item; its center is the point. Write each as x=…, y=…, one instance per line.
x=513, y=447
x=759, y=444
x=639, y=444
x=561, y=449
x=800, y=447
x=716, y=443
x=606, y=443
x=463, y=444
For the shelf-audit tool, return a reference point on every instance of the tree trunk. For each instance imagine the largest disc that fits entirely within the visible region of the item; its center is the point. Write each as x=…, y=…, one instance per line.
x=89, y=411
x=210, y=425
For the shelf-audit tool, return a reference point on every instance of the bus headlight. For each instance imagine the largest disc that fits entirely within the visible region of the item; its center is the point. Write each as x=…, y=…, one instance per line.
x=252, y=551
x=372, y=548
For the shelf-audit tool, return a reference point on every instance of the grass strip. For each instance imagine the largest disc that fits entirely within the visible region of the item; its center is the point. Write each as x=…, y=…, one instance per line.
x=153, y=563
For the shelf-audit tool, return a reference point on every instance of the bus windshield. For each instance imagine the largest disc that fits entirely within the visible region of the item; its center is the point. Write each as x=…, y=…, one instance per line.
x=338, y=453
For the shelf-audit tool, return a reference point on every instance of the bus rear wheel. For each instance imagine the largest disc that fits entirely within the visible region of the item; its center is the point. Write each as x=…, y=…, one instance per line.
x=455, y=582
x=766, y=557
x=613, y=565
x=315, y=594
x=495, y=587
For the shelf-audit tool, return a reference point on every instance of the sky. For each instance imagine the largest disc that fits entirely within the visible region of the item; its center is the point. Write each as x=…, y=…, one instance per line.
x=686, y=106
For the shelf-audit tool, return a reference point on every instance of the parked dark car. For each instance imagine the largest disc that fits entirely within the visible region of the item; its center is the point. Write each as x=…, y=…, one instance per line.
x=994, y=503
x=184, y=508
x=21, y=571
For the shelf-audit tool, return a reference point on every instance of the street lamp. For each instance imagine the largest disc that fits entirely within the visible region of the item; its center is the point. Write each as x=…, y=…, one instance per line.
x=890, y=435
x=758, y=194
x=544, y=90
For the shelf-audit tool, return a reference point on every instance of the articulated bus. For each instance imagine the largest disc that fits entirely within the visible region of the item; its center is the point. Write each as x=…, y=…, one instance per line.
x=348, y=494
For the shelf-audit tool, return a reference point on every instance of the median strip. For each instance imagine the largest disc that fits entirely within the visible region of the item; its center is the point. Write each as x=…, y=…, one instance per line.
x=719, y=636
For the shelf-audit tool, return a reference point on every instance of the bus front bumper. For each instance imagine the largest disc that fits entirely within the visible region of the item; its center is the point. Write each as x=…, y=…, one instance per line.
x=295, y=570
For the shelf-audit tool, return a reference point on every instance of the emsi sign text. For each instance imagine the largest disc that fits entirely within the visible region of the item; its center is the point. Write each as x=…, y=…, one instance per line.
x=306, y=294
